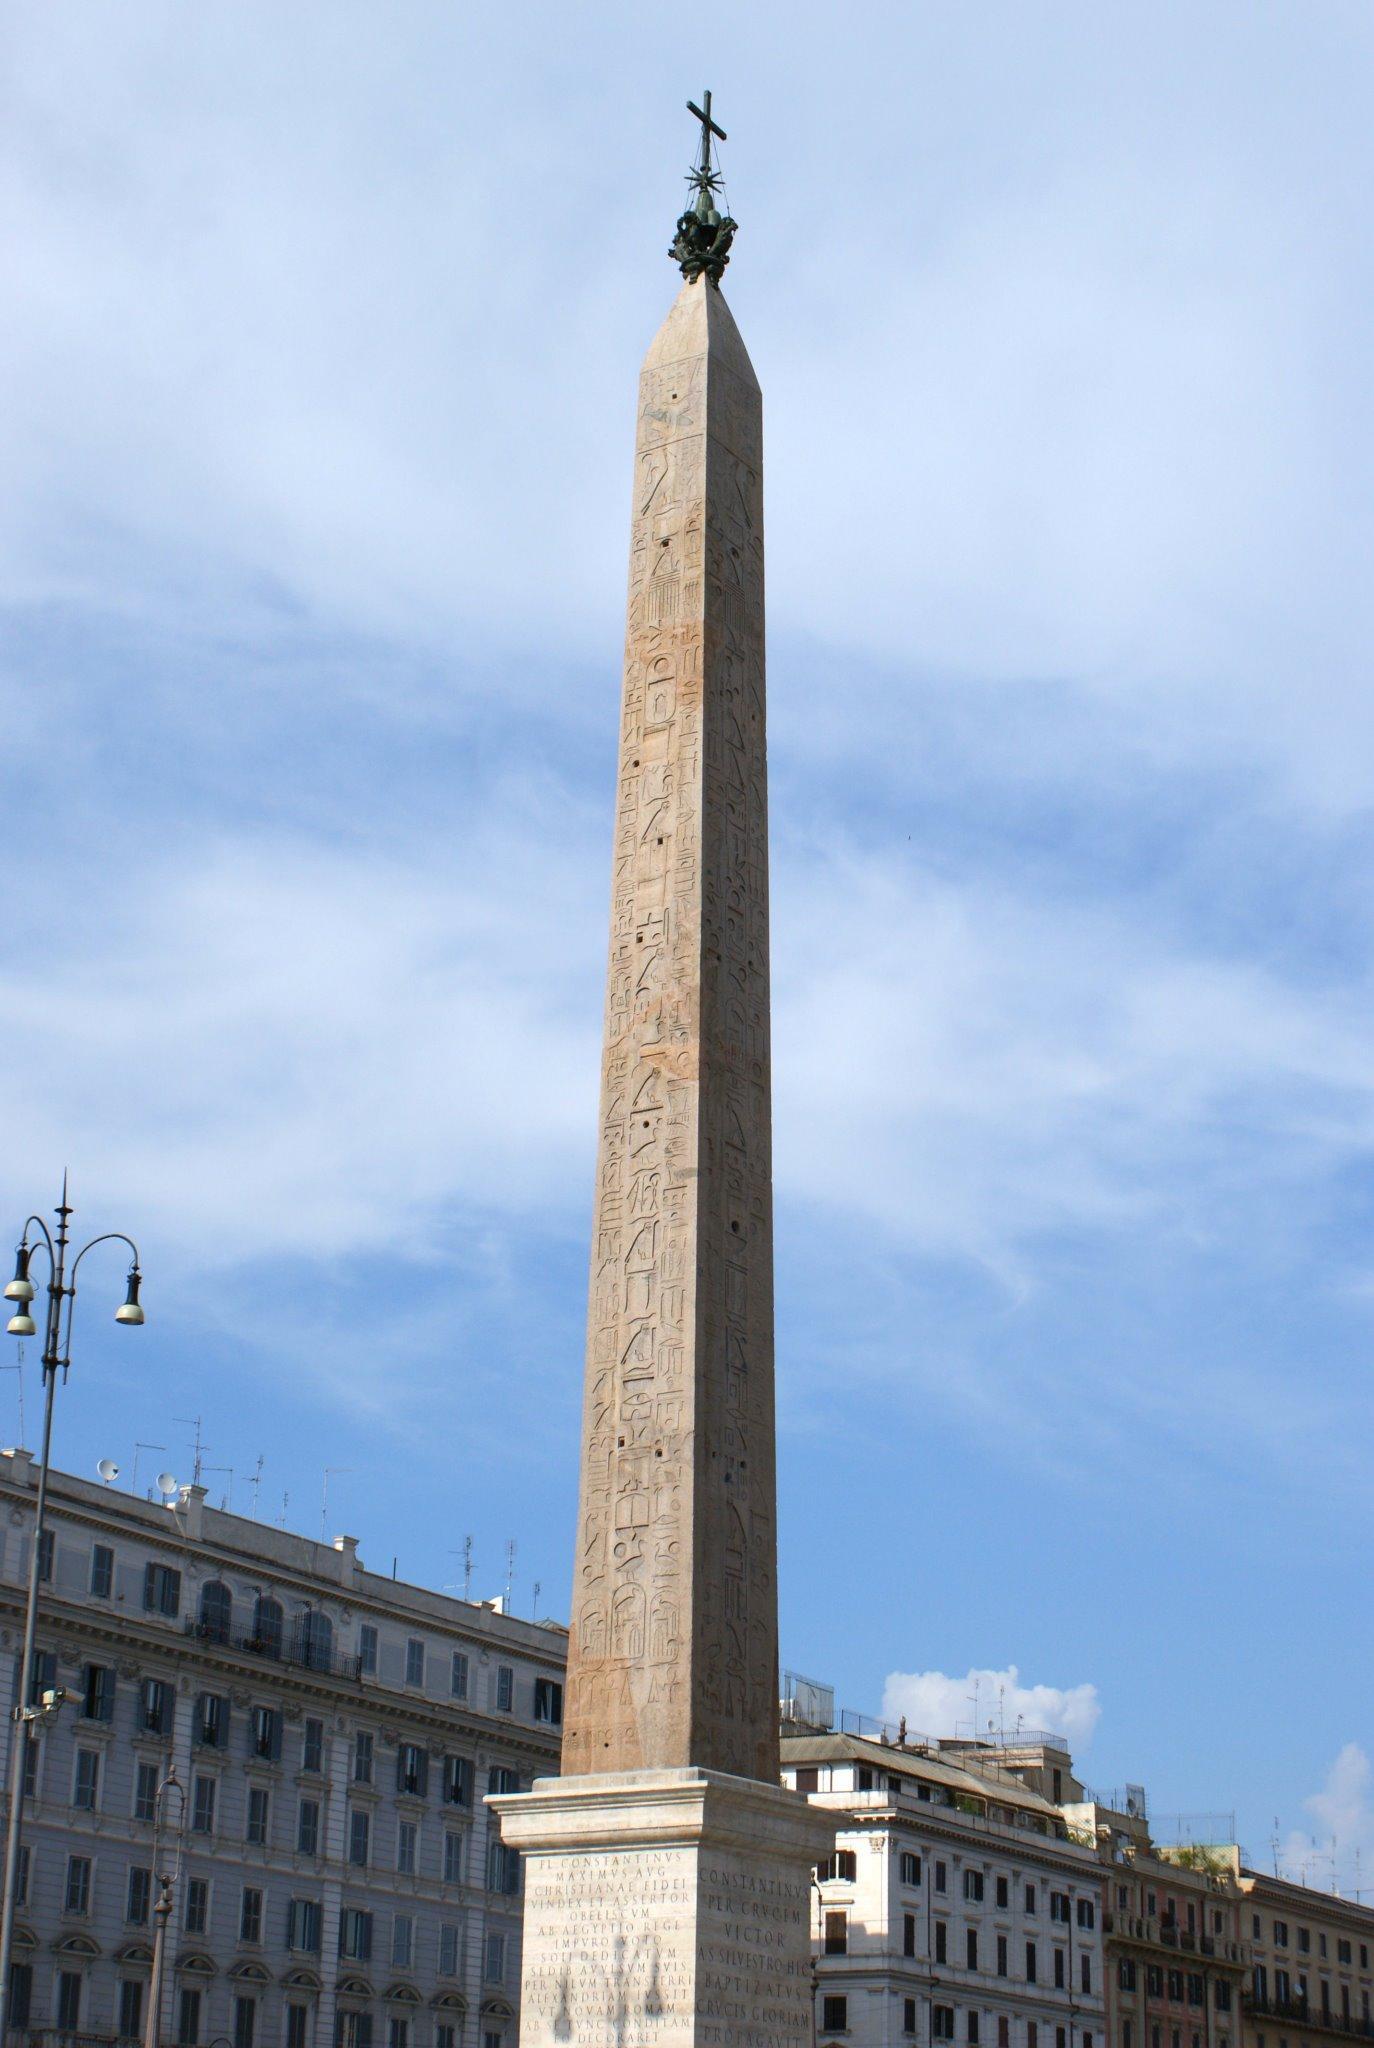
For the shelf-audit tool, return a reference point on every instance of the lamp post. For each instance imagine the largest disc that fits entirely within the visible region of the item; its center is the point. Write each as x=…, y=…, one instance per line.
x=56, y=1356
x=162, y=1911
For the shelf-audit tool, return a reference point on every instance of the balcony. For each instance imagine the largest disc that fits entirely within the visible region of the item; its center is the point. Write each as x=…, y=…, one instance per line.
x=303, y=1652
x=1296, y=2012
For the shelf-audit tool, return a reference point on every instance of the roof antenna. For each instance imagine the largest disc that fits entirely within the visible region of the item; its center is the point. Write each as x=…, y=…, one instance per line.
x=255, y=1482
x=193, y=1422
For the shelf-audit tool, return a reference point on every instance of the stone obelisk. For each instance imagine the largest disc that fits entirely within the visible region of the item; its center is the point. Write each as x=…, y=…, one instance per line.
x=667, y=1874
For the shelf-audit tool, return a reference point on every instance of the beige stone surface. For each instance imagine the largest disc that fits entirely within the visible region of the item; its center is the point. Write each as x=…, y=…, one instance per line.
x=673, y=1658
x=665, y=1907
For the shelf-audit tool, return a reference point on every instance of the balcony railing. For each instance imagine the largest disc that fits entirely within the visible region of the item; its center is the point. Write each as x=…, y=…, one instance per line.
x=1297, y=2012
x=291, y=1648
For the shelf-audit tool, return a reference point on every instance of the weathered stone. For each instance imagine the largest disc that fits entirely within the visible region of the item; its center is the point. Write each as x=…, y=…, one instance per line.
x=673, y=1658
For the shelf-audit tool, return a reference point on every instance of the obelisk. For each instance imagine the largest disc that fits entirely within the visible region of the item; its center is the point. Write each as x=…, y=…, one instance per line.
x=667, y=1874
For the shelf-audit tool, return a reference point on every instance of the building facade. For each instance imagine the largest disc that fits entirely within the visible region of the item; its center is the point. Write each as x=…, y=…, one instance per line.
x=956, y=1908
x=1310, y=1983
x=1175, y=1958
x=333, y=1734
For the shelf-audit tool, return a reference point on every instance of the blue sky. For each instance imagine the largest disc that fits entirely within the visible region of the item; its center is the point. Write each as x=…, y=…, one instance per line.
x=320, y=346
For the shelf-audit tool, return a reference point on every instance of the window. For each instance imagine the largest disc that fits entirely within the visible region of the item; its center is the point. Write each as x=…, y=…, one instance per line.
x=972, y=2028
x=216, y=1612
x=407, y=1839
x=1003, y=2031
x=1175, y=1984
x=250, y=1914
x=87, y=1782
x=1304, y=1938
x=297, y=2026
x=415, y=1661
x=265, y=1737
x=501, y=1778
x=45, y=1554
x=971, y=1947
x=1003, y=1892
x=1059, y=1907
x=145, y=1792
x=402, y=1941
x=245, y=2022
x=156, y=1707
x=197, y=1905
x=359, y=1836
x=503, y=1868
x=367, y=1650
x=448, y=1950
x=908, y=1934
x=458, y=1675
x=314, y=1644
x=412, y=1770
x=267, y=1626
x=21, y=1876
x=188, y=2019
x=457, y=1781
x=1001, y=1955
x=941, y=1878
x=97, y=1693
x=1125, y=1973
x=1060, y=1971
x=161, y=1589
x=138, y=1897
x=1086, y=1916
x=21, y=1994
x=1030, y=1898
x=842, y=1867
x=909, y=1868
x=312, y=1746
x=355, y=1934
x=445, y=2036
x=397, y=2032
x=505, y=1689
x=130, y=2009
x=1223, y=1995
x=453, y=1858
x=76, y=1897
x=212, y=1722
x=1085, y=1971
x=1281, y=1934
x=494, y=1959
x=303, y=1921
x=31, y=1754
x=308, y=1828
x=908, y=2015
x=941, y=1941
x=203, y=1807
x=1342, y=1951
x=255, y=1820
x=548, y=1701
x=1154, y=1980
x=1032, y=1961
x=942, y=2022
x=837, y=1934
x=973, y=1886
x=835, y=2015
x=68, y=2000
x=363, y=1755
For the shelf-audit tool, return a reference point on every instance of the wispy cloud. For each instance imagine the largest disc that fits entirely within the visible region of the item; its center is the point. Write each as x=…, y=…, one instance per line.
x=982, y=1701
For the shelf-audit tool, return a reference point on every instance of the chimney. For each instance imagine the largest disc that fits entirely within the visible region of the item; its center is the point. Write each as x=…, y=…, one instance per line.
x=21, y=1467
x=191, y=1499
x=347, y=1547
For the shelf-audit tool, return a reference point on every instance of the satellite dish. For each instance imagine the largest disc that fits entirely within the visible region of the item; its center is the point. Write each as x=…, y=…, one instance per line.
x=167, y=1482
x=108, y=1470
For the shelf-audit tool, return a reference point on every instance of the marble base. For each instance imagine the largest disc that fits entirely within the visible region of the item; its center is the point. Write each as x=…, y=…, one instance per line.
x=665, y=1909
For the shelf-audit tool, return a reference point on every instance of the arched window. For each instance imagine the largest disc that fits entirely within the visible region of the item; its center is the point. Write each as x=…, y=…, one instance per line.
x=267, y=1619
x=216, y=1611
x=315, y=1637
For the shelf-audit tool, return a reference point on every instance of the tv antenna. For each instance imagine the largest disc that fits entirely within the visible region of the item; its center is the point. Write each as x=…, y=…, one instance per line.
x=108, y=1471
x=534, y=1609
x=193, y=1422
x=510, y=1569
x=226, y=1499
x=285, y=1503
x=256, y=1482
x=18, y=1370
x=139, y=1447
x=324, y=1495
x=1274, y=1845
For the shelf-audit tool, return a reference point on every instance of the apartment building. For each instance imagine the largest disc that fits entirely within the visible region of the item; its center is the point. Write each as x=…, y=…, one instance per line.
x=1176, y=1961
x=333, y=1735
x=1310, y=1983
x=956, y=1907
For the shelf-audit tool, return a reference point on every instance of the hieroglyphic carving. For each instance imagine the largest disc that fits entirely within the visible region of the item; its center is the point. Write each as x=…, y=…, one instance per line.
x=674, y=1645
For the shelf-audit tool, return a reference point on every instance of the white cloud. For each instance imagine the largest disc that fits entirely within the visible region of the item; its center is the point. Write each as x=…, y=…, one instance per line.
x=936, y=1704
x=1337, y=1852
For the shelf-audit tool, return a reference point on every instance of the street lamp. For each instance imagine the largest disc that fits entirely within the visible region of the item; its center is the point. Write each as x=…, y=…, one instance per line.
x=166, y=1883
x=57, y=1342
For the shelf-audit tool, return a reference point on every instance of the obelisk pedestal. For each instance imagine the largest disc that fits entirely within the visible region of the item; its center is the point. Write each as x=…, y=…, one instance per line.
x=667, y=1874
x=666, y=1907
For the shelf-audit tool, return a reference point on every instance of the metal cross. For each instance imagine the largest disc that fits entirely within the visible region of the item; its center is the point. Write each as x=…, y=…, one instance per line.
x=708, y=129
